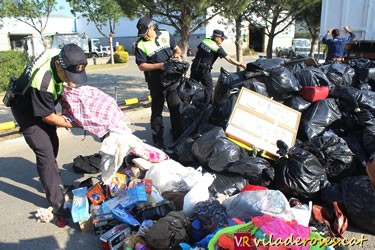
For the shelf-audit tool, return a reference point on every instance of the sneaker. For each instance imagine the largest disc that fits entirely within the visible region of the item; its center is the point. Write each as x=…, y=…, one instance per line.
x=66, y=188
x=60, y=211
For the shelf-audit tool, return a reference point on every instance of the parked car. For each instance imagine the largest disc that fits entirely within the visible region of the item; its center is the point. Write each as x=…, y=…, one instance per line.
x=106, y=50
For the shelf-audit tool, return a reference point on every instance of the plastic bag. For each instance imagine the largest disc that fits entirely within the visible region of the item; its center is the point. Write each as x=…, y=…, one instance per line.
x=198, y=193
x=215, y=151
x=317, y=118
x=298, y=173
x=166, y=173
x=257, y=170
x=281, y=83
x=228, y=184
x=249, y=204
x=334, y=154
x=359, y=202
x=297, y=102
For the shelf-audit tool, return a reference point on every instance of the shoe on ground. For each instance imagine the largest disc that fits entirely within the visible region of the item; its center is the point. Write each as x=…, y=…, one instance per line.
x=60, y=211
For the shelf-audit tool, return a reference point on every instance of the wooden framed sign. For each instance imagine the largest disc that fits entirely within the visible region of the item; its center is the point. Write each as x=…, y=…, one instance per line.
x=258, y=121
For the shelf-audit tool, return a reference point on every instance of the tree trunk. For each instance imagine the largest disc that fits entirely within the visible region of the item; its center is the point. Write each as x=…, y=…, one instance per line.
x=313, y=41
x=184, y=40
x=111, y=49
x=238, y=42
x=269, y=46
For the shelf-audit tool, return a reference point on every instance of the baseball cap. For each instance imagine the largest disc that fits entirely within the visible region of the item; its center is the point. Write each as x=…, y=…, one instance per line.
x=219, y=33
x=143, y=25
x=74, y=61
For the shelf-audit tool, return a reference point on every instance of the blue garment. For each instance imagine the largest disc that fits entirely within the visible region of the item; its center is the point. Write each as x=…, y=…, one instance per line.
x=336, y=46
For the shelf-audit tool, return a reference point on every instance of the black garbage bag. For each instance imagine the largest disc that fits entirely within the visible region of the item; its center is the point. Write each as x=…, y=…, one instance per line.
x=359, y=202
x=173, y=72
x=297, y=102
x=190, y=112
x=361, y=67
x=339, y=73
x=312, y=77
x=281, y=83
x=368, y=139
x=226, y=83
x=183, y=152
x=192, y=128
x=268, y=64
x=294, y=67
x=354, y=141
x=227, y=183
x=221, y=113
x=215, y=151
x=317, y=118
x=350, y=99
x=333, y=153
x=298, y=173
x=332, y=193
x=189, y=89
x=258, y=171
x=256, y=85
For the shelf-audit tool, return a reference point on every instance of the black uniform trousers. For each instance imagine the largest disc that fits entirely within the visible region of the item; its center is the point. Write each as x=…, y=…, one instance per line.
x=159, y=94
x=43, y=140
x=206, y=79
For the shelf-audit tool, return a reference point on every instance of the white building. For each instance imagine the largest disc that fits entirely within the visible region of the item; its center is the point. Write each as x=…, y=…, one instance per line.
x=17, y=35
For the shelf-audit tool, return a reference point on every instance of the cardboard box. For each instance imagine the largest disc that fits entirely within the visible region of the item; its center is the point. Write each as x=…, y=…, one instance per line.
x=114, y=238
x=127, y=199
x=80, y=206
x=258, y=121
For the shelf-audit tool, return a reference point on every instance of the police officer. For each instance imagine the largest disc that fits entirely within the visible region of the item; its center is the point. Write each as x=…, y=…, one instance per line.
x=36, y=115
x=152, y=50
x=336, y=45
x=207, y=52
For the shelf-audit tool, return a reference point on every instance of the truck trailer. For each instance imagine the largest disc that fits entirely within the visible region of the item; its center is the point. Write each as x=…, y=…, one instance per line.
x=359, y=15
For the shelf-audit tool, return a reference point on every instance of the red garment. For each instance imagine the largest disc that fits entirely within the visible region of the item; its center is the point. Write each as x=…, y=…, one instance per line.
x=93, y=110
x=250, y=187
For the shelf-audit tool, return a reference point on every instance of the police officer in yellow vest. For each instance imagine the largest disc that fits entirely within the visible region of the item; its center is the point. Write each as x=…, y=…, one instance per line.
x=152, y=50
x=36, y=115
x=207, y=52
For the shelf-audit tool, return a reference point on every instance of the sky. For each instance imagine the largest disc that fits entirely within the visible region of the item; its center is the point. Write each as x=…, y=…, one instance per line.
x=64, y=11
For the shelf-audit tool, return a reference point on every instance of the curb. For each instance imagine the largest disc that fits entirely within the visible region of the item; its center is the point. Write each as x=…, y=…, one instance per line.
x=127, y=102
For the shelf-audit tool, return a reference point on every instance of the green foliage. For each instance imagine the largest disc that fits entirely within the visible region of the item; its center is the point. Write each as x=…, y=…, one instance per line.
x=302, y=35
x=121, y=56
x=12, y=63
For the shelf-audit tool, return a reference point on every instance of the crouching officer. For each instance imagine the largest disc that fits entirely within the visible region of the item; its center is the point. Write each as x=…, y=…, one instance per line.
x=36, y=116
x=207, y=52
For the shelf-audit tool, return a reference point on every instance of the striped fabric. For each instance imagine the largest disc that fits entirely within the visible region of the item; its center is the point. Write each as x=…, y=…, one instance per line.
x=93, y=110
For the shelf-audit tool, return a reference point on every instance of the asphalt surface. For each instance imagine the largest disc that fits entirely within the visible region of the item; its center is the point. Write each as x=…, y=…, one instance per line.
x=20, y=190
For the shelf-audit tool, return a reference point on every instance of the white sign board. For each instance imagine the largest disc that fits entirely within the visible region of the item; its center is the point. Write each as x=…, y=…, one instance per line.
x=259, y=121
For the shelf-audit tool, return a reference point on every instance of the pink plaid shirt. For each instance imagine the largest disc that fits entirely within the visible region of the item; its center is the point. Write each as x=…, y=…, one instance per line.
x=93, y=110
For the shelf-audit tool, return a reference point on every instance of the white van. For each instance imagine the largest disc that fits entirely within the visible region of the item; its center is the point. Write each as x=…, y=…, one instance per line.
x=300, y=47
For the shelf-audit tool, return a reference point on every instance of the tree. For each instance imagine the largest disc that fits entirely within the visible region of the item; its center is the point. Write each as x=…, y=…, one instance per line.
x=276, y=16
x=234, y=11
x=186, y=16
x=103, y=13
x=311, y=20
x=34, y=13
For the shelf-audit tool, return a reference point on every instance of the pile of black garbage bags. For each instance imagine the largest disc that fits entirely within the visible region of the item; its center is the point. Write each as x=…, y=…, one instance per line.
x=335, y=139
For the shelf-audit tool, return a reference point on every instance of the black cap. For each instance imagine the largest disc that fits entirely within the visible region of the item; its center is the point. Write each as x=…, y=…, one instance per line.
x=74, y=61
x=143, y=25
x=219, y=33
